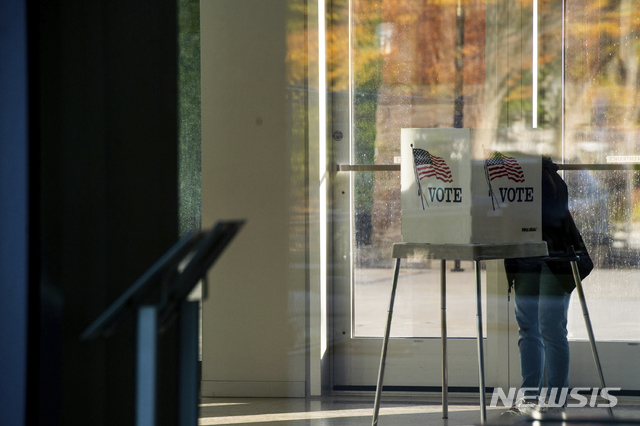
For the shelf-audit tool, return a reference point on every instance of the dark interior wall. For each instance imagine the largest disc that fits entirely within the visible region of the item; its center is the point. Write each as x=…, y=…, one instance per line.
x=106, y=83
x=14, y=215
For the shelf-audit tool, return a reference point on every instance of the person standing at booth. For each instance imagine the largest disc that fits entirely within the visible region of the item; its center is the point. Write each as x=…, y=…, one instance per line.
x=542, y=292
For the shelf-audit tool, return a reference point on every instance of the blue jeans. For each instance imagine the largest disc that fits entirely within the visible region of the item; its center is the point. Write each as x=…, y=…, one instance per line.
x=541, y=306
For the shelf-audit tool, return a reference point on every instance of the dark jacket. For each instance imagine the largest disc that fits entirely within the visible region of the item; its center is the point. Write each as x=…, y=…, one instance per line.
x=555, y=208
x=555, y=229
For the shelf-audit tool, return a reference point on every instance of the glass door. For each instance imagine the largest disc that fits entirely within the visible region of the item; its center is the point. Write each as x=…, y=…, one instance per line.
x=411, y=64
x=563, y=74
x=602, y=134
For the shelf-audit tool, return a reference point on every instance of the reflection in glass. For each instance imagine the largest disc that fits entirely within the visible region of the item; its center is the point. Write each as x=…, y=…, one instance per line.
x=469, y=63
x=601, y=80
x=602, y=203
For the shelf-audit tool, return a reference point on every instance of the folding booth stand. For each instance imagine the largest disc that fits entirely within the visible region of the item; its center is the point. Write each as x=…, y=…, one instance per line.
x=158, y=298
x=475, y=253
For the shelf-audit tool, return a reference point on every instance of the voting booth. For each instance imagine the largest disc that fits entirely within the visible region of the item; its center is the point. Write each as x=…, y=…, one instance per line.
x=464, y=197
x=459, y=187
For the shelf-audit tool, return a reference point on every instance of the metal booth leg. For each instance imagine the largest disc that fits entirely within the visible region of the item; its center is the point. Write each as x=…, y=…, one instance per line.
x=385, y=343
x=443, y=335
x=483, y=404
x=587, y=321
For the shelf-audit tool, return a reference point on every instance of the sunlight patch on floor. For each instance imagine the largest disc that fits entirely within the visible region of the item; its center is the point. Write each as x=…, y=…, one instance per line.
x=220, y=404
x=328, y=414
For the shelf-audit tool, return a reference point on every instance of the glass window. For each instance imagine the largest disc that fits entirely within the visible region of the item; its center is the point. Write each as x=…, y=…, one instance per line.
x=565, y=75
x=601, y=126
x=414, y=64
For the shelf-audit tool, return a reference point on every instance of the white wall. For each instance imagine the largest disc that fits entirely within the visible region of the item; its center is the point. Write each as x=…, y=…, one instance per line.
x=254, y=320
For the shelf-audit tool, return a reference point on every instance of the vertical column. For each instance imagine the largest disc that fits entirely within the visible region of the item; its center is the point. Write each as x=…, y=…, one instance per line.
x=14, y=214
x=189, y=380
x=247, y=173
x=146, y=358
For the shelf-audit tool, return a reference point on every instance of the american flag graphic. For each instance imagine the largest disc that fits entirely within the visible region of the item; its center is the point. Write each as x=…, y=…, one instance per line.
x=428, y=165
x=499, y=165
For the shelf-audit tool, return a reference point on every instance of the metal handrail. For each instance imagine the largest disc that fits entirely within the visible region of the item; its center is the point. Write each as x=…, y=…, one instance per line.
x=572, y=166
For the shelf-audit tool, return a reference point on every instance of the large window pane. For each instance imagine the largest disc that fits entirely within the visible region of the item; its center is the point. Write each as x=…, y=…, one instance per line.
x=604, y=206
x=601, y=126
x=571, y=76
x=415, y=64
x=601, y=80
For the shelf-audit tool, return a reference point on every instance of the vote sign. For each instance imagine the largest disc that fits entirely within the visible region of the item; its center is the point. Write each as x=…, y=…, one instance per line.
x=459, y=187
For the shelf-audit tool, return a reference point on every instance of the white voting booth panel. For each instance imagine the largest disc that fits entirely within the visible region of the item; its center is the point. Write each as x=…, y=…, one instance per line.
x=464, y=198
x=458, y=189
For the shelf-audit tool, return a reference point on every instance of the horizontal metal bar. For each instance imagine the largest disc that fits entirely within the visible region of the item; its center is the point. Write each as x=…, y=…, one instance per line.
x=606, y=166
x=368, y=167
x=575, y=166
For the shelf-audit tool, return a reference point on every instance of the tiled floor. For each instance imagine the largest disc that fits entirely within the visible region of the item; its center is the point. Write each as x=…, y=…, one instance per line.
x=357, y=409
